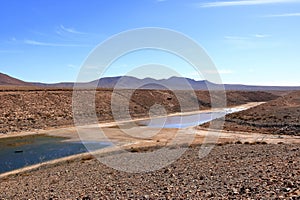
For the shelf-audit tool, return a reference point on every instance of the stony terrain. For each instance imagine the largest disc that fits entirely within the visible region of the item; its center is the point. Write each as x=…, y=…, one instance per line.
x=28, y=108
x=280, y=116
x=234, y=171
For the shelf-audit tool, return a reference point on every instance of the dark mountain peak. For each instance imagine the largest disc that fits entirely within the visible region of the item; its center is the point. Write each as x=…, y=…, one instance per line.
x=8, y=80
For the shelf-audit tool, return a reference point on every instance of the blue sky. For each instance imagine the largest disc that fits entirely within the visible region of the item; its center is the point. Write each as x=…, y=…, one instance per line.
x=250, y=41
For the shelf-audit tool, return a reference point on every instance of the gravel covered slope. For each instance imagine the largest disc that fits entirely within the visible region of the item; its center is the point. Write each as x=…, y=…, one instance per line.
x=279, y=116
x=236, y=171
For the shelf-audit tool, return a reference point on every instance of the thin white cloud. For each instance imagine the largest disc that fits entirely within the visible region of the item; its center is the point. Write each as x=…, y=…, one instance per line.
x=70, y=30
x=72, y=66
x=249, y=42
x=262, y=35
x=71, y=34
x=284, y=15
x=244, y=3
x=245, y=38
x=37, y=43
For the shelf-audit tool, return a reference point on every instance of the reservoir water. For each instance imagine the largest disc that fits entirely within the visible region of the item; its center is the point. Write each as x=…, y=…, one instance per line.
x=184, y=121
x=18, y=152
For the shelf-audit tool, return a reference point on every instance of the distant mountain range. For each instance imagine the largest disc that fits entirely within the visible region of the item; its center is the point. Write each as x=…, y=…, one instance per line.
x=127, y=82
x=8, y=80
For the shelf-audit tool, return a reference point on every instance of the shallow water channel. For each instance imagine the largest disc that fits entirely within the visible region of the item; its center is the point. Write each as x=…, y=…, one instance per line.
x=18, y=152
x=184, y=121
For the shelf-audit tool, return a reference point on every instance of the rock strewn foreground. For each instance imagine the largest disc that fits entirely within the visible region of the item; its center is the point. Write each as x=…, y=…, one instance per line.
x=236, y=171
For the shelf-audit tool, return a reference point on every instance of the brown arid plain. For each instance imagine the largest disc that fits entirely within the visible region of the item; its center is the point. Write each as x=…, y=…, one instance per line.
x=257, y=155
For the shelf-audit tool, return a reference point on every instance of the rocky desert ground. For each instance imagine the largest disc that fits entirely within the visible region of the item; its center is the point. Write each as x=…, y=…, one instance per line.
x=233, y=169
x=29, y=108
x=279, y=116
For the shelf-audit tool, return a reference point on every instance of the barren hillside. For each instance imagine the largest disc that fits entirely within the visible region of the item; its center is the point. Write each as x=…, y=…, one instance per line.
x=23, y=110
x=8, y=80
x=279, y=116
